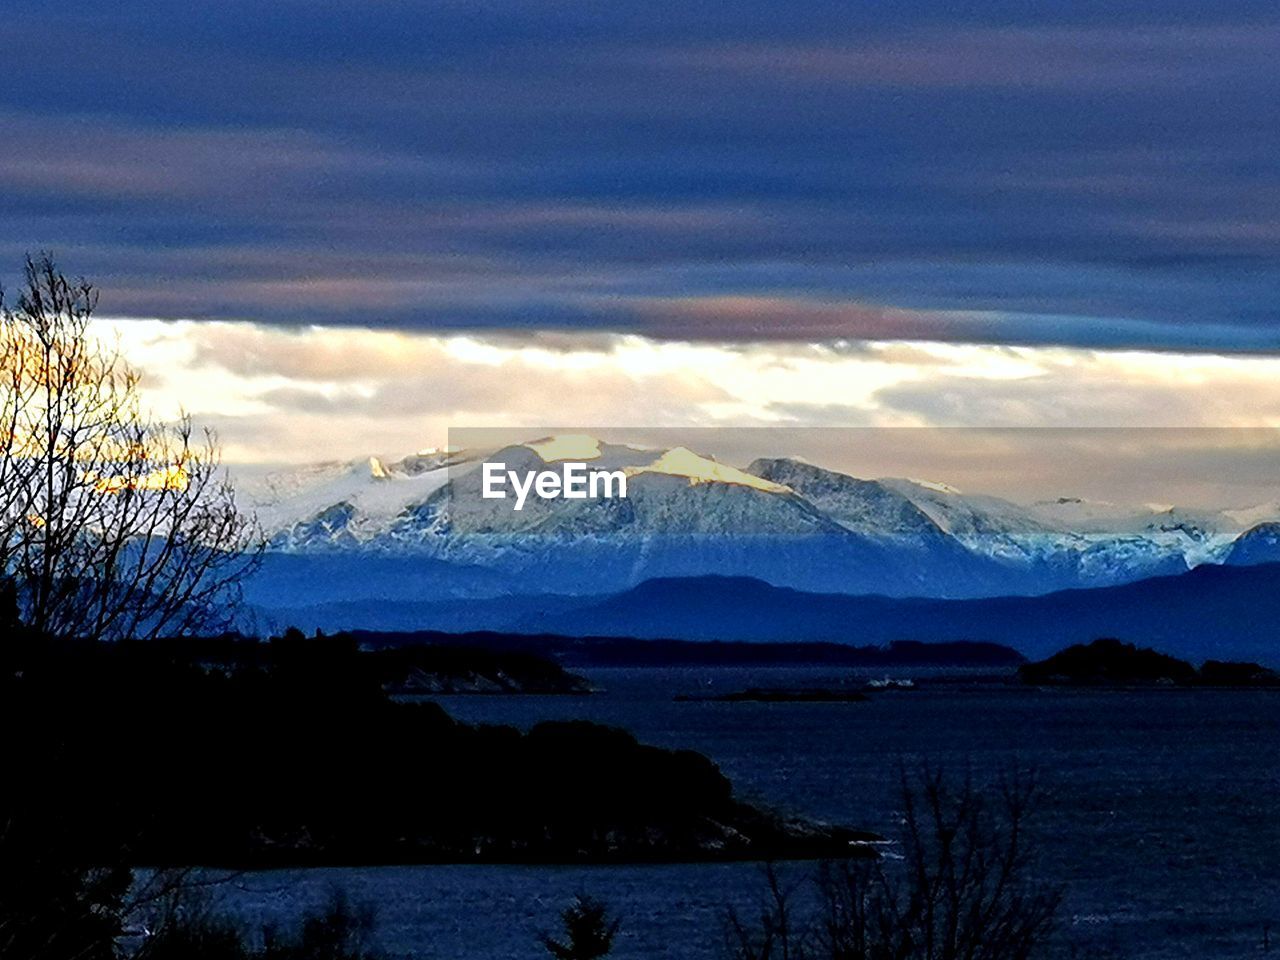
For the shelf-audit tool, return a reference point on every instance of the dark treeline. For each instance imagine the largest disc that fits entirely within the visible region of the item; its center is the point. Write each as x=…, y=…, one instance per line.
x=160, y=754
x=452, y=666
x=302, y=757
x=628, y=651
x=1110, y=662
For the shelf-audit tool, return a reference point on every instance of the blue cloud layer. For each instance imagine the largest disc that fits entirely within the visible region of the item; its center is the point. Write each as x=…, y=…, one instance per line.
x=1096, y=174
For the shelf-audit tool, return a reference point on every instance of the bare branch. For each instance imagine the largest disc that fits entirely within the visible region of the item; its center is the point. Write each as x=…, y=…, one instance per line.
x=112, y=524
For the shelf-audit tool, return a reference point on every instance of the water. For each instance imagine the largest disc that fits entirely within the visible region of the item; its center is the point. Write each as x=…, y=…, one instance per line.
x=1160, y=813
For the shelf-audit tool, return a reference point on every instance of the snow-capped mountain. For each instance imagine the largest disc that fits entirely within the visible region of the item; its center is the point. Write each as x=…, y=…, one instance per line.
x=1260, y=544
x=1053, y=547
x=781, y=520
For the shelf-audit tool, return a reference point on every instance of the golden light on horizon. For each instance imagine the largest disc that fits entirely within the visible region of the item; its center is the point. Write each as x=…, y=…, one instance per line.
x=171, y=477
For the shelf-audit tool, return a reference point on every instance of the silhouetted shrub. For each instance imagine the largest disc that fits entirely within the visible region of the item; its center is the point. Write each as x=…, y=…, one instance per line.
x=589, y=931
x=185, y=927
x=962, y=889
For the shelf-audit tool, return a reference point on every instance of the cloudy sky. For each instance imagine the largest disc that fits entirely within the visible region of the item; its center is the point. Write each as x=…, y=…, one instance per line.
x=378, y=218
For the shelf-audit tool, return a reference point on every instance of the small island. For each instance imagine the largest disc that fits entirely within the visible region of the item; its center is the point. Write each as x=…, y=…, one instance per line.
x=1111, y=662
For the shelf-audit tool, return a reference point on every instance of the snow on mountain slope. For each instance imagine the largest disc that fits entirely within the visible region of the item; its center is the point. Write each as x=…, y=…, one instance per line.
x=1202, y=536
x=683, y=462
x=683, y=515
x=1056, y=554
x=1260, y=544
x=782, y=520
x=865, y=506
x=334, y=503
x=965, y=515
x=669, y=493
x=1090, y=516
x=875, y=510
x=573, y=447
x=570, y=446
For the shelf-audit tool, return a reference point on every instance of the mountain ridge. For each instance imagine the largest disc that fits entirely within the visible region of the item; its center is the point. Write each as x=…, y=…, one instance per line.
x=1211, y=612
x=781, y=520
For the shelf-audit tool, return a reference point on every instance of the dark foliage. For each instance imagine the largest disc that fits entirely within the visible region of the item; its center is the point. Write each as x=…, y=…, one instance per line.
x=145, y=757
x=589, y=931
x=291, y=753
x=186, y=928
x=963, y=888
x=1110, y=662
x=421, y=667
x=56, y=904
x=1219, y=673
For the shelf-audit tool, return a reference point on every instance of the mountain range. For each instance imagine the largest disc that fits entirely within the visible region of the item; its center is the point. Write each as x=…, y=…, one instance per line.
x=411, y=543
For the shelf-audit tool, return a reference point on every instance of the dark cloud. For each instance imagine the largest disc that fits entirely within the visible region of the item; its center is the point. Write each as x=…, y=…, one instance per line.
x=1097, y=174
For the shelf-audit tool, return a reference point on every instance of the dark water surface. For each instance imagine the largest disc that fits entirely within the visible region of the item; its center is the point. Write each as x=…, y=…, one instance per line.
x=1160, y=814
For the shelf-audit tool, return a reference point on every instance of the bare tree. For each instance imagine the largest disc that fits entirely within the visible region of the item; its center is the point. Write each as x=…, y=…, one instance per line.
x=962, y=890
x=777, y=935
x=112, y=524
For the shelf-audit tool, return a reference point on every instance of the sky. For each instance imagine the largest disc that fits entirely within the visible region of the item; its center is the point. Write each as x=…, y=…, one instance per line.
x=1133, y=426
x=834, y=213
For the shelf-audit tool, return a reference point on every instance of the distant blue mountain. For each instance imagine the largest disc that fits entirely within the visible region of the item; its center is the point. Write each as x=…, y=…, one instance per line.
x=1212, y=611
x=1224, y=612
x=306, y=579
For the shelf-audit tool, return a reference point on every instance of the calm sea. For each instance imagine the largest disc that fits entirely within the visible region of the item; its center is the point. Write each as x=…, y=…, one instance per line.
x=1160, y=813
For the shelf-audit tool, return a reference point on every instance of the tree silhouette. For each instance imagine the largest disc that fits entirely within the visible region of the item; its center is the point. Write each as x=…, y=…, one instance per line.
x=962, y=890
x=112, y=524
x=588, y=931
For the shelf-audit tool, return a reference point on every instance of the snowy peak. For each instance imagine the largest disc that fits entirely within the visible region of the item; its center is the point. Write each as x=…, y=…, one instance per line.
x=683, y=462
x=569, y=446
x=1089, y=516
x=781, y=519
x=937, y=486
x=371, y=491
x=1260, y=544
